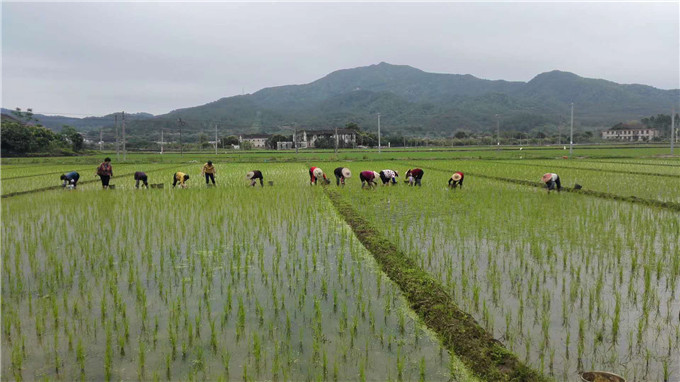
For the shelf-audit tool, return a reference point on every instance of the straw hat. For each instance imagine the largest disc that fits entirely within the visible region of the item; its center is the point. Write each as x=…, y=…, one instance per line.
x=456, y=177
x=250, y=175
x=318, y=173
x=546, y=177
x=375, y=174
x=346, y=172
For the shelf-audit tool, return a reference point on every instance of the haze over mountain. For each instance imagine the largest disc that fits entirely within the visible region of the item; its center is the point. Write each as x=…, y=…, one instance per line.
x=414, y=102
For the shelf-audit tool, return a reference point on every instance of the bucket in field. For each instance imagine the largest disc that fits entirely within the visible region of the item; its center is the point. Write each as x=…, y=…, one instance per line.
x=577, y=186
x=271, y=182
x=601, y=376
x=112, y=186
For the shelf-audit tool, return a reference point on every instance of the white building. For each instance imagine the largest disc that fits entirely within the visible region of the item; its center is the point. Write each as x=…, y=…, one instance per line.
x=631, y=134
x=259, y=141
x=346, y=137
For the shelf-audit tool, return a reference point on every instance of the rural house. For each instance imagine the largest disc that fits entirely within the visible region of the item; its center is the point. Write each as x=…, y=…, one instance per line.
x=623, y=132
x=259, y=141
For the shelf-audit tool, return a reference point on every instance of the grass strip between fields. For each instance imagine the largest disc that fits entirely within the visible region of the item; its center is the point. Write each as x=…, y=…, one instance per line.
x=605, y=195
x=590, y=169
x=458, y=331
x=49, y=188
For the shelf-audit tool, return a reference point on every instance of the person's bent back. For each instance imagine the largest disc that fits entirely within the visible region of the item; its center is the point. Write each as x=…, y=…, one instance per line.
x=141, y=177
x=180, y=178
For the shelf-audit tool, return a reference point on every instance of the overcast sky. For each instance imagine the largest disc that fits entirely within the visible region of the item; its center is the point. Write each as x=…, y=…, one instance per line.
x=97, y=58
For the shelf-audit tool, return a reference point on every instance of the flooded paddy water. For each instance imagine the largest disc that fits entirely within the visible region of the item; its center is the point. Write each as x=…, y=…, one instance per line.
x=239, y=283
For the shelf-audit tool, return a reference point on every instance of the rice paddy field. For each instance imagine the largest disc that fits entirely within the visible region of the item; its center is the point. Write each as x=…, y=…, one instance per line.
x=274, y=283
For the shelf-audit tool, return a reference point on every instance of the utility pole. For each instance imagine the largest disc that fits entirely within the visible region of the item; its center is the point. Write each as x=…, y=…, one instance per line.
x=216, y=139
x=295, y=138
x=672, y=129
x=571, y=132
x=124, y=150
x=161, y=141
x=378, y=133
x=101, y=141
x=498, y=131
x=336, y=140
x=117, y=141
x=181, y=147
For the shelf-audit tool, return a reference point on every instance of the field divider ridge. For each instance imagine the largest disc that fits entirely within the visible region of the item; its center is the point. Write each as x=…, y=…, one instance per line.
x=599, y=194
x=588, y=169
x=486, y=356
x=49, y=188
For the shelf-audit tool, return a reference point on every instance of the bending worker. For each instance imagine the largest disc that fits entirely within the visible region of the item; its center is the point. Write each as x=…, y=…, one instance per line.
x=253, y=176
x=552, y=181
x=105, y=172
x=341, y=173
x=70, y=179
x=180, y=178
x=388, y=175
x=456, y=179
x=209, y=172
x=315, y=173
x=141, y=177
x=414, y=176
x=368, y=177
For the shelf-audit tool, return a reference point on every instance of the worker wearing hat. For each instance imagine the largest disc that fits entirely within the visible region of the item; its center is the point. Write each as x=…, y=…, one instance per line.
x=368, y=178
x=315, y=173
x=414, y=176
x=341, y=173
x=552, y=181
x=253, y=176
x=180, y=178
x=388, y=175
x=209, y=172
x=70, y=179
x=141, y=177
x=456, y=179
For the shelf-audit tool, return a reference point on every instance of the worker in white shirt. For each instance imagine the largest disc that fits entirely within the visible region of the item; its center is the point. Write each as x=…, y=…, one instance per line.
x=552, y=181
x=388, y=176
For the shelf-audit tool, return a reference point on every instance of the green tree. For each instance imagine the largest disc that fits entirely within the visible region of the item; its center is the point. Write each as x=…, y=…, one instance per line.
x=271, y=142
x=73, y=136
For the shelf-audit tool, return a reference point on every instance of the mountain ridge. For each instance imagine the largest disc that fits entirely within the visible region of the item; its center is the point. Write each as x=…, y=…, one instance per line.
x=410, y=99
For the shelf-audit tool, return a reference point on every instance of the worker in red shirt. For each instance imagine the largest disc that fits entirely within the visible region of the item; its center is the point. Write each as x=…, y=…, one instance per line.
x=315, y=173
x=369, y=178
x=456, y=180
x=414, y=176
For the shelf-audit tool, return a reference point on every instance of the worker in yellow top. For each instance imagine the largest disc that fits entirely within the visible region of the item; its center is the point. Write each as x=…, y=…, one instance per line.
x=209, y=172
x=180, y=178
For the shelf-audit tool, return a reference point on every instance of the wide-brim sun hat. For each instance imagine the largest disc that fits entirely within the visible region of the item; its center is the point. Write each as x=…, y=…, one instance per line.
x=546, y=178
x=375, y=174
x=346, y=173
x=318, y=172
x=250, y=175
x=456, y=176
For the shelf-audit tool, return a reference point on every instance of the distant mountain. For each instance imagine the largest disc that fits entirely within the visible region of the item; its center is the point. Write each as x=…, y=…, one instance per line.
x=56, y=122
x=411, y=102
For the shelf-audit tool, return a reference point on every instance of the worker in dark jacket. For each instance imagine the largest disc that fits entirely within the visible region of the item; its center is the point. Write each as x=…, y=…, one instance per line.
x=456, y=179
x=105, y=172
x=341, y=173
x=388, y=176
x=253, y=176
x=369, y=178
x=70, y=179
x=552, y=181
x=180, y=178
x=141, y=177
x=315, y=173
x=414, y=176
